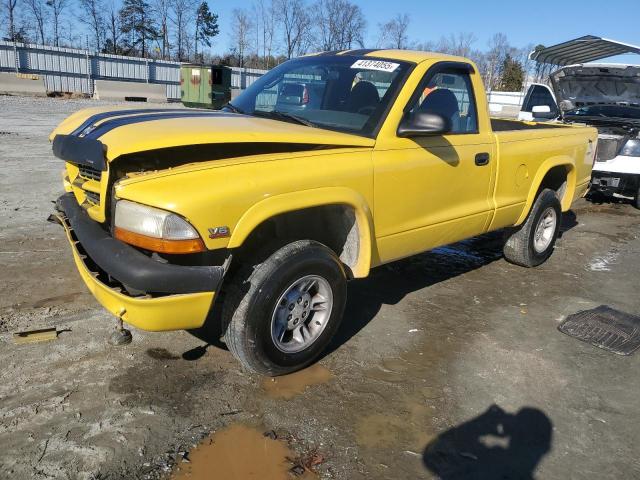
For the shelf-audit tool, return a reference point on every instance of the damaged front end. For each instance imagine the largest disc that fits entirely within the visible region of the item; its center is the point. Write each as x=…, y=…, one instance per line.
x=142, y=291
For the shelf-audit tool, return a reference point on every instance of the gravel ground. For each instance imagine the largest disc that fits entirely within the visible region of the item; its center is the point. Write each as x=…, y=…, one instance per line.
x=455, y=348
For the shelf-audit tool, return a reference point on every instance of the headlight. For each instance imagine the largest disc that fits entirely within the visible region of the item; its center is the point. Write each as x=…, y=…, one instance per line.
x=631, y=148
x=154, y=229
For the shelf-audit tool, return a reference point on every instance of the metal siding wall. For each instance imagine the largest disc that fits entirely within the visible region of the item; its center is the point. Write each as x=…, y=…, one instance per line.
x=122, y=68
x=67, y=83
x=67, y=69
x=7, y=57
x=243, y=77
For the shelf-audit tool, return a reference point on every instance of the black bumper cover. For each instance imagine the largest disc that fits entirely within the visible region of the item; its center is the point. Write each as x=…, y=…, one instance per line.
x=131, y=267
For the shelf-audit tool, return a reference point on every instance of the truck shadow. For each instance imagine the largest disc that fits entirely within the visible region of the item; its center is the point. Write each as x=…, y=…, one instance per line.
x=493, y=445
x=389, y=284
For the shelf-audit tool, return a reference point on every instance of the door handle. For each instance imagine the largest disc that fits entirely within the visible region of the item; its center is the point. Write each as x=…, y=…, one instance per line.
x=482, y=159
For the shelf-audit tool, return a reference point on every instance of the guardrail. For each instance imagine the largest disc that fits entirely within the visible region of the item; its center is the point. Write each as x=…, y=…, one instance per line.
x=75, y=70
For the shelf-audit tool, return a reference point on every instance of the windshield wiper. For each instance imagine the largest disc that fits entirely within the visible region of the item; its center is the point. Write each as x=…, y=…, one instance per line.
x=285, y=116
x=233, y=108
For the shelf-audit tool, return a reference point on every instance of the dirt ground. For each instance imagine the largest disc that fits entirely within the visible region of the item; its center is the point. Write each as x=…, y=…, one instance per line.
x=455, y=348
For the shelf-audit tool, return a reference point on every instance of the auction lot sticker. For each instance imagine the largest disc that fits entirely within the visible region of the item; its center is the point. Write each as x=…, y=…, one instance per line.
x=376, y=65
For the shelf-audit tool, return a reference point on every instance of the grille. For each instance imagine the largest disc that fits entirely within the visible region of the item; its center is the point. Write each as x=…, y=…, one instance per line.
x=89, y=173
x=608, y=148
x=93, y=197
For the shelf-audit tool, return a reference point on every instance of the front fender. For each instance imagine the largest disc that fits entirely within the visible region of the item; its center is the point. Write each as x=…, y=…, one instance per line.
x=288, y=202
x=547, y=165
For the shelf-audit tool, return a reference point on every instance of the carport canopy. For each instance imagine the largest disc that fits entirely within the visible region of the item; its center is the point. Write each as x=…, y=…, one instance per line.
x=582, y=50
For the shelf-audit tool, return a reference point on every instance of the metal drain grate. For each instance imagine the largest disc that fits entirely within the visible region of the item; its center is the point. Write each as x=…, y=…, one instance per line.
x=605, y=327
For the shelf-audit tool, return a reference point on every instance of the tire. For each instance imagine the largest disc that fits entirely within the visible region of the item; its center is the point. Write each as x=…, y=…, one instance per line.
x=528, y=246
x=636, y=199
x=262, y=328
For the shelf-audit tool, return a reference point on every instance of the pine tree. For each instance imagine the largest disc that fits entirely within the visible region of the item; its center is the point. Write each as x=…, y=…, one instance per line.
x=206, y=26
x=512, y=75
x=137, y=25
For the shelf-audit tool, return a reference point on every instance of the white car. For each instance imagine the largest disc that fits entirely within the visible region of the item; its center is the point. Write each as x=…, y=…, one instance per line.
x=606, y=96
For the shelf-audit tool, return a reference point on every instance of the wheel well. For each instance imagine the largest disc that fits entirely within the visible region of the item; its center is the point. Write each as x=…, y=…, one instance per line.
x=556, y=179
x=332, y=225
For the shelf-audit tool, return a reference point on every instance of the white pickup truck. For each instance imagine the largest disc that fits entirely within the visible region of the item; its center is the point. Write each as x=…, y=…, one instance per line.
x=606, y=96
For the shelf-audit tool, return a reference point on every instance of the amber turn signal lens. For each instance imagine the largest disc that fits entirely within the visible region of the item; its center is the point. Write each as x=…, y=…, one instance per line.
x=158, y=244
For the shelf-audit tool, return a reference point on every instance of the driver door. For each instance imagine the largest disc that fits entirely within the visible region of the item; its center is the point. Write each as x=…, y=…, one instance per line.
x=434, y=190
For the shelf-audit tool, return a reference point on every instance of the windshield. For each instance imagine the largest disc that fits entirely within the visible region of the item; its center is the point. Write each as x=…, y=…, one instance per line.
x=605, y=111
x=344, y=93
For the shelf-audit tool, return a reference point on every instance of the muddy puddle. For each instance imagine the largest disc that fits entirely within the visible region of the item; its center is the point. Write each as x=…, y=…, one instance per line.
x=288, y=386
x=240, y=452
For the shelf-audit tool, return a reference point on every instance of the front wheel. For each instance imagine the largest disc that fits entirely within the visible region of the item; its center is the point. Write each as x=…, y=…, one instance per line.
x=281, y=313
x=533, y=242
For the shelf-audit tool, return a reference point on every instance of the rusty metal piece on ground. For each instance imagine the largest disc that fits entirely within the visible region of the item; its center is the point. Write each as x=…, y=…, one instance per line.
x=606, y=328
x=33, y=336
x=121, y=336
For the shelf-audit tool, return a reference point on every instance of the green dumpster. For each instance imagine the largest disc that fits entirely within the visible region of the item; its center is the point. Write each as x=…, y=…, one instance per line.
x=205, y=86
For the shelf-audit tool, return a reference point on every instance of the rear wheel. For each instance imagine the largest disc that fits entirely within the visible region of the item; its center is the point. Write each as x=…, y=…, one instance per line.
x=533, y=242
x=281, y=313
x=636, y=199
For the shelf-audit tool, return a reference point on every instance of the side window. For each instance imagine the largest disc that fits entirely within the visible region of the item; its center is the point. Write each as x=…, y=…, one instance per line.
x=450, y=94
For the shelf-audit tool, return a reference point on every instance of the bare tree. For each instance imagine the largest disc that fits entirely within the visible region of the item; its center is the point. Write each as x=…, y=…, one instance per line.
x=294, y=21
x=264, y=30
x=92, y=12
x=459, y=44
x=70, y=35
x=393, y=34
x=10, y=6
x=113, y=30
x=340, y=24
x=57, y=7
x=241, y=28
x=181, y=13
x=498, y=50
x=162, y=9
x=528, y=65
x=38, y=13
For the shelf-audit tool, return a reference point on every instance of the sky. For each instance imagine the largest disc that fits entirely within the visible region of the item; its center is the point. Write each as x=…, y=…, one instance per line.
x=524, y=22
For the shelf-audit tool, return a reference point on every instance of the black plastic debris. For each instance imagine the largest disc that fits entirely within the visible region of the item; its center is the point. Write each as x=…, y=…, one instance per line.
x=606, y=328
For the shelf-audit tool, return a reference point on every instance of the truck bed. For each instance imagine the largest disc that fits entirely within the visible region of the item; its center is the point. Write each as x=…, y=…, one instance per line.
x=505, y=125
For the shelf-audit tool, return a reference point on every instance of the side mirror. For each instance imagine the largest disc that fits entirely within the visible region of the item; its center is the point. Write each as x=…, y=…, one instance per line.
x=543, y=112
x=541, y=109
x=422, y=124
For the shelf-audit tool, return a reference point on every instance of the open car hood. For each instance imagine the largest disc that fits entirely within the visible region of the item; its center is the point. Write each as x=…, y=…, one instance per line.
x=596, y=84
x=94, y=136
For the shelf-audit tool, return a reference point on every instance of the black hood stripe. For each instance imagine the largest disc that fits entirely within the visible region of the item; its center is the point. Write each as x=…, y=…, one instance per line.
x=116, y=113
x=109, y=125
x=361, y=52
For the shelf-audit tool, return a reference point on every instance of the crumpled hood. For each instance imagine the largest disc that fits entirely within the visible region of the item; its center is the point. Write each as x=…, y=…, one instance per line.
x=596, y=83
x=124, y=131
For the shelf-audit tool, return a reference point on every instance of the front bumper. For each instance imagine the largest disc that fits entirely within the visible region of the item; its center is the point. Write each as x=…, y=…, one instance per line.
x=610, y=183
x=174, y=297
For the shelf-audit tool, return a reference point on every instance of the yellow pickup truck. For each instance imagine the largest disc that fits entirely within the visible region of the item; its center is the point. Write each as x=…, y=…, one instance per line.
x=327, y=166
